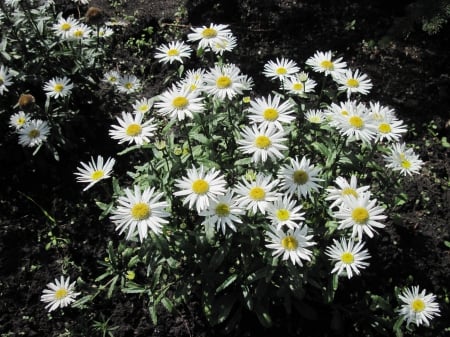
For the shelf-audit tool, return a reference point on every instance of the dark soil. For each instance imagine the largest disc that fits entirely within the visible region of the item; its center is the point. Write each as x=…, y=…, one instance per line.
x=410, y=71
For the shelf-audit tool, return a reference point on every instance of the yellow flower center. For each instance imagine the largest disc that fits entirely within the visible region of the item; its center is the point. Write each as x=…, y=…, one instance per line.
x=200, y=186
x=34, y=133
x=180, y=102
x=209, y=33
x=2, y=80
x=352, y=83
x=347, y=258
x=173, y=52
x=96, y=175
x=61, y=293
x=58, y=87
x=406, y=164
x=192, y=87
x=300, y=177
x=327, y=64
x=262, y=142
x=281, y=71
x=66, y=26
x=130, y=275
x=143, y=108
x=283, y=214
x=360, y=215
x=141, y=211
x=257, y=193
x=289, y=243
x=270, y=114
x=384, y=128
x=418, y=305
x=21, y=121
x=133, y=130
x=356, y=121
x=78, y=33
x=222, y=210
x=344, y=113
x=112, y=79
x=223, y=82
x=349, y=191
x=297, y=86
x=128, y=85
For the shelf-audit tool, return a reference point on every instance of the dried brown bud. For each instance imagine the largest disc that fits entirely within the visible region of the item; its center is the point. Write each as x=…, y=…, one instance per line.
x=26, y=101
x=94, y=15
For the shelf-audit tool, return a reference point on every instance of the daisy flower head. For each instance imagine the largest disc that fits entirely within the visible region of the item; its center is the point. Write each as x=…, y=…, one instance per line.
x=292, y=245
x=403, y=159
x=315, y=116
x=207, y=37
x=112, y=77
x=257, y=194
x=225, y=81
x=262, y=142
x=193, y=80
x=105, y=32
x=389, y=128
x=300, y=178
x=179, y=103
x=337, y=194
x=299, y=84
x=80, y=32
x=174, y=51
x=142, y=105
x=19, y=120
x=418, y=307
x=271, y=112
x=343, y=109
x=380, y=112
x=223, y=213
x=128, y=84
x=285, y=212
x=131, y=129
x=81, y=2
x=58, y=87
x=64, y=26
x=227, y=43
x=138, y=211
x=200, y=187
x=59, y=294
x=5, y=79
x=280, y=69
x=353, y=82
x=33, y=133
x=322, y=62
x=349, y=257
x=361, y=214
x=94, y=171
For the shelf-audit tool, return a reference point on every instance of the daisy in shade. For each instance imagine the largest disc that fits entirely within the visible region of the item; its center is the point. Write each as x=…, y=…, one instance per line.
x=262, y=142
x=300, y=84
x=389, y=128
x=58, y=87
x=315, y=116
x=142, y=105
x=223, y=213
x=33, y=133
x=80, y=32
x=193, y=80
x=18, y=120
x=291, y=245
x=131, y=129
x=209, y=36
x=258, y=193
x=353, y=82
x=128, y=84
x=343, y=109
x=64, y=26
x=224, y=81
x=59, y=294
x=285, y=212
x=356, y=125
x=403, y=159
x=360, y=214
x=271, y=112
x=138, y=211
x=300, y=178
x=337, y=194
x=418, y=307
x=280, y=69
x=380, y=112
x=227, y=43
x=322, y=62
x=173, y=51
x=5, y=79
x=349, y=257
x=179, y=103
x=94, y=171
x=111, y=77
x=201, y=187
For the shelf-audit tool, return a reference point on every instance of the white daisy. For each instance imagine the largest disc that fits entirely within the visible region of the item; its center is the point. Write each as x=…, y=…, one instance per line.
x=179, y=103
x=19, y=120
x=315, y=116
x=360, y=214
x=193, y=80
x=224, y=81
x=402, y=159
x=200, y=187
x=356, y=125
x=60, y=293
x=389, y=128
x=223, y=212
x=322, y=62
x=64, y=26
x=94, y=171
x=343, y=109
x=300, y=84
x=227, y=43
x=81, y=2
x=353, y=82
x=344, y=188
x=174, y=51
x=58, y=87
x=209, y=36
x=142, y=105
x=418, y=307
x=80, y=32
x=105, y=32
x=112, y=77
x=34, y=133
x=257, y=194
x=128, y=84
x=285, y=212
x=380, y=112
x=300, y=178
x=139, y=211
x=280, y=68
x=5, y=79
x=262, y=142
x=270, y=112
x=132, y=129
x=292, y=244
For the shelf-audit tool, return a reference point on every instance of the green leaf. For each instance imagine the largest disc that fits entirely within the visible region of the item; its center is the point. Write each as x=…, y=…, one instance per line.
x=227, y=283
